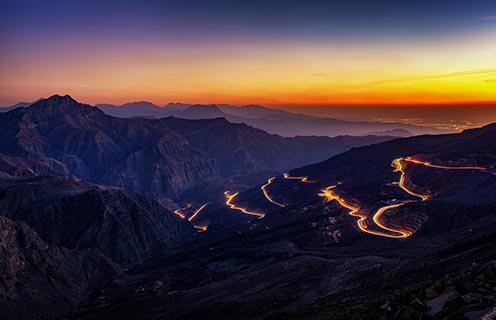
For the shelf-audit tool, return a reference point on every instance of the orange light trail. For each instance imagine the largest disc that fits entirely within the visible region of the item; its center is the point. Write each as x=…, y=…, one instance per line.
x=330, y=195
x=302, y=179
x=377, y=221
x=266, y=194
x=428, y=164
x=179, y=213
x=398, y=167
x=201, y=228
x=197, y=212
x=229, y=199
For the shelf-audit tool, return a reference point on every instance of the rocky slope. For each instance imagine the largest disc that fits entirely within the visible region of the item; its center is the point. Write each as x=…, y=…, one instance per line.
x=38, y=280
x=77, y=214
x=309, y=260
x=167, y=158
x=470, y=294
x=456, y=197
x=292, y=272
x=244, y=149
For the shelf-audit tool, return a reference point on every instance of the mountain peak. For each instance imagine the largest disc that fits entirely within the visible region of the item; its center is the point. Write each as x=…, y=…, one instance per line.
x=66, y=104
x=57, y=100
x=140, y=104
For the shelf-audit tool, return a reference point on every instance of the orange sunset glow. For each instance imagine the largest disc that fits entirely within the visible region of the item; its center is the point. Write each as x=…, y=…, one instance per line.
x=287, y=72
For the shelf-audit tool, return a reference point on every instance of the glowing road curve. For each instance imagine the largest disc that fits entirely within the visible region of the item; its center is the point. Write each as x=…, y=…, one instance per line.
x=331, y=195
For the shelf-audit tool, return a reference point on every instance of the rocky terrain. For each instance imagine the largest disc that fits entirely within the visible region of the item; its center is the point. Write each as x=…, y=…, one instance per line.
x=470, y=293
x=309, y=260
x=166, y=158
x=295, y=271
x=38, y=280
x=79, y=215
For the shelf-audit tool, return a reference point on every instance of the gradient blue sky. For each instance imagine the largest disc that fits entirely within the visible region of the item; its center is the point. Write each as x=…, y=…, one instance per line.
x=32, y=20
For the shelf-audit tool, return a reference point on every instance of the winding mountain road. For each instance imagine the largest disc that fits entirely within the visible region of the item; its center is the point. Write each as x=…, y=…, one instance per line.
x=266, y=193
x=230, y=197
x=302, y=179
x=330, y=195
x=195, y=214
x=182, y=215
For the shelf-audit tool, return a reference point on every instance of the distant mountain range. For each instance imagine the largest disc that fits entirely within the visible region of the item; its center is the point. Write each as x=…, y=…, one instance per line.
x=270, y=120
x=168, y=158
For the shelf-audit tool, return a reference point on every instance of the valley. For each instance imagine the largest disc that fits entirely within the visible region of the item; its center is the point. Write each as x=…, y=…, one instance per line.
x=233, y=218
x=330, y=194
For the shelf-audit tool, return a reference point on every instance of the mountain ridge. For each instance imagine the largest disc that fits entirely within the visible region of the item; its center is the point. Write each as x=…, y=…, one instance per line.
x=271, y=120
x=80, y=215
x=166, y=158
x=33, y=272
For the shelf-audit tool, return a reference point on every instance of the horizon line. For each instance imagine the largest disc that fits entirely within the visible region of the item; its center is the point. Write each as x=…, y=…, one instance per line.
x=488, y=103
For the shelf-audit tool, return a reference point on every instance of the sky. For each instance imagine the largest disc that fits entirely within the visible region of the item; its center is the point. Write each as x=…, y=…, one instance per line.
x=277, y=53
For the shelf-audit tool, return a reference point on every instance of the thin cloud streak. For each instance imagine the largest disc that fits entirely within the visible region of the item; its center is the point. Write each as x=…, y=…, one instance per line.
x=439, y=76
x=488, y=18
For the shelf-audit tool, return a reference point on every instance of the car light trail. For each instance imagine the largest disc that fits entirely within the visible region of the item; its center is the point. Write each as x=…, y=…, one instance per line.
x=201, y=228
x=428, y=164
x=302, y=179
x=197, y=212
x=229, y=199
x=179, y=213
x=330, y=195
x=266, y=194
x=398, y=167
x=377, y=221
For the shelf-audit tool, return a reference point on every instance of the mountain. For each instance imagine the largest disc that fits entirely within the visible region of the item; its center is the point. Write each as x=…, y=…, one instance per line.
x=271, y=120
x=15, y=106
x=290, y=124
x=394, y=133
x=400, y=229
x=133, y=109
x=195, y=112
x=177, y=106
x=433, y=183
x=312, y=259
x=79, y=215
x=38, y=280
x=168, y=158
x=239, y=149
